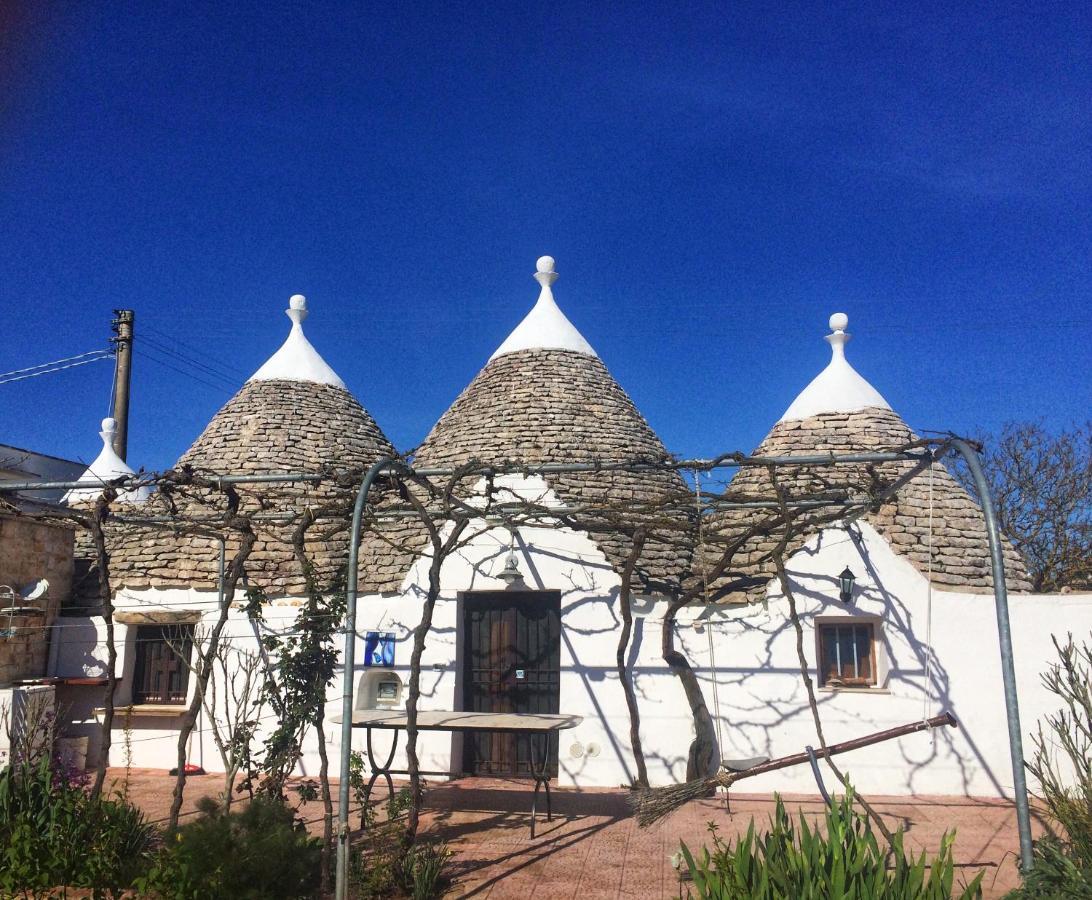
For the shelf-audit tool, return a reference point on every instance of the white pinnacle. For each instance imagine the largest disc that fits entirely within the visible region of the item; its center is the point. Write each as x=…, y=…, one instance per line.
x=838, y=388
x=545, y=326
x=297, y=359
x=106, y=467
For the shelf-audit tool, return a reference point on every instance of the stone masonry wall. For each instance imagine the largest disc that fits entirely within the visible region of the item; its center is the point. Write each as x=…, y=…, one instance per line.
x=31, y=549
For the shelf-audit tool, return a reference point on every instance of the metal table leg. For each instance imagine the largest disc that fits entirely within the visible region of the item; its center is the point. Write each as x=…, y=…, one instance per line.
x=377, y=770
x=541, y=774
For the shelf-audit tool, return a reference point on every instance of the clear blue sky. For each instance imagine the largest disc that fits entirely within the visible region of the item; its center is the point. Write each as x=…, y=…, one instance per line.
x=714, y=181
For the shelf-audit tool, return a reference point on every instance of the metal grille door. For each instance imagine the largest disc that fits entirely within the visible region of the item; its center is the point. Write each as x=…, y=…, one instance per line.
x=511, y=664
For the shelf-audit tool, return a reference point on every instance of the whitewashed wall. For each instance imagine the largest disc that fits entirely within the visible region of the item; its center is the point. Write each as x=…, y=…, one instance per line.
x=753, y=666
x=767, y=712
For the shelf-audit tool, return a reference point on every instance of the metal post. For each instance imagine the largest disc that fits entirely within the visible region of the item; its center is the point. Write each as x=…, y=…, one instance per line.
x=1004, y=636
x=123, y=370
x=341, y=880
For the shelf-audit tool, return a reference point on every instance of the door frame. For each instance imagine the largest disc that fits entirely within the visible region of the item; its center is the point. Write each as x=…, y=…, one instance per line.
x=463, y=678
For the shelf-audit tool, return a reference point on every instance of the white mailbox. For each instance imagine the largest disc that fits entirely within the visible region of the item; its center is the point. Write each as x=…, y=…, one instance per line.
x=379, y=688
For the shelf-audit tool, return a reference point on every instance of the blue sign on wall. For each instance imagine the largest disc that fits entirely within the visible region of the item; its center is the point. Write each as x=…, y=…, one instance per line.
x=379, y=649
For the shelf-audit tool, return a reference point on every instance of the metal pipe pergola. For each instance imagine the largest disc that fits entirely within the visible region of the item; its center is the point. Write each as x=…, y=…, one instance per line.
x=926, y=453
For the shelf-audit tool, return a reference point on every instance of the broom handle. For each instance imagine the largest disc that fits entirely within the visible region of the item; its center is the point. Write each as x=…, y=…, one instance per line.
x=845, y=746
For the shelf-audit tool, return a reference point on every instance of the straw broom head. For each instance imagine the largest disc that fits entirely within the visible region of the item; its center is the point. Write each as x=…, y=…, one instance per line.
x=652, y=804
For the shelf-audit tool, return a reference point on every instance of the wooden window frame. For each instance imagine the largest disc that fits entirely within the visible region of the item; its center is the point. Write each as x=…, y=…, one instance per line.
x=147, y=636
x=822, y=666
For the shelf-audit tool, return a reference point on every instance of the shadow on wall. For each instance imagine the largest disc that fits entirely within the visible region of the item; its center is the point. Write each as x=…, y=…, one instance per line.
x=763, y=708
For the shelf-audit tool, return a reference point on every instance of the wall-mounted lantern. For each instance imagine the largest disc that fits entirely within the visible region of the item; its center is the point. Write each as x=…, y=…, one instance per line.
x=845, y=585
x=510, y=574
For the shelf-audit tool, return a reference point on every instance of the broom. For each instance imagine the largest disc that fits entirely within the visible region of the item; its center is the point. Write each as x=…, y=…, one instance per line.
x=652, y=804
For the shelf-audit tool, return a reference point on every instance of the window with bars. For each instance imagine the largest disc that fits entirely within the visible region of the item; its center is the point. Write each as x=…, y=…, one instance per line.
x=162, y=671
x=847, y=654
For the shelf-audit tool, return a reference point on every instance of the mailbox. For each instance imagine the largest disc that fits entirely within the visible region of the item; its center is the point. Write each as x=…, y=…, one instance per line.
x=378, y=689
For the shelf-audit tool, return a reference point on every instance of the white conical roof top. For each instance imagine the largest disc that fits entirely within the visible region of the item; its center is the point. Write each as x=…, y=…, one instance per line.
x=545, y=326
x=297, y=359
x=107, y=467
x=839, y=387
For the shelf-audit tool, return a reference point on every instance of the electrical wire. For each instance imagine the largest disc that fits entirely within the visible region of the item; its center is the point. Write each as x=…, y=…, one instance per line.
x=113, y=386
x=214, y=360
x=165, y=363
x=167, y=356
x=70, y=362
x=188, y=360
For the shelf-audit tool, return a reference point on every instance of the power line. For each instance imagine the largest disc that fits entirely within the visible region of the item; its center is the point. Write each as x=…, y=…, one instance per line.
x=163, y=362
x=70, y=362
x=229, y=369
x=189, y=360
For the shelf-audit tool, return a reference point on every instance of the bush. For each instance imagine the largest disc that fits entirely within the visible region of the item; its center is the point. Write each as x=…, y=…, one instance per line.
x=845, y=863
x=260, y=852
x=53, y=834
x=1062, y=865
x=382, y=866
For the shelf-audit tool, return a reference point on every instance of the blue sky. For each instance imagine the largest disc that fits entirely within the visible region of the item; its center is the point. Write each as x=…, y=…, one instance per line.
x=713, y=180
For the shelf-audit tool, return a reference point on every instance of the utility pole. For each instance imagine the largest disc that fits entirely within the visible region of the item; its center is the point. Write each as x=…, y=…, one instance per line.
x=122, y=326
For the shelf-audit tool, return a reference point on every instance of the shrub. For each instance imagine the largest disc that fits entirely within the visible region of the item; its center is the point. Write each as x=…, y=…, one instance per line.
x=1062, y=865
x=845, y=863
x=259, y=851
x=383, y=866
x=53, y=834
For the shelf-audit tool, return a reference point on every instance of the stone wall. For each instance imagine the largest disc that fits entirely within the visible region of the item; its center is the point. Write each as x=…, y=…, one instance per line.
x=31, y=549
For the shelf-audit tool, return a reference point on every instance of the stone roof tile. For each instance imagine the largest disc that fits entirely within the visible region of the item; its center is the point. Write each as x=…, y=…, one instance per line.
x=268, y=426
x=960, y=554
x=548, y=405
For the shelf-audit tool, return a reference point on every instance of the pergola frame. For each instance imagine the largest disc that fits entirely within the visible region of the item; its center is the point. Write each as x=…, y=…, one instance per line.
x=927, y=453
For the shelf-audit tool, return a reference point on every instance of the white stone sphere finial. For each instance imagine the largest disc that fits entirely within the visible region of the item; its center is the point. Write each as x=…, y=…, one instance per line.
x=838, y=337
x=297, y=308
x=545, y=273
x=109, y=427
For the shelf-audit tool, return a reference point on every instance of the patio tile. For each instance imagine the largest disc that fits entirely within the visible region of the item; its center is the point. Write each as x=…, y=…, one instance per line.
x=594, y=850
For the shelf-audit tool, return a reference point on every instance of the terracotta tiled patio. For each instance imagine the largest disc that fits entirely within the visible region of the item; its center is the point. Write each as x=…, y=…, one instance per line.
x=594, y=848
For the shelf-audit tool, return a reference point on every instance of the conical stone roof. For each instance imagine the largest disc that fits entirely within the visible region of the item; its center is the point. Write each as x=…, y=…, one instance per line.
x=300, y=420
x=545, y=397
x=846, y=421
x=106, y=467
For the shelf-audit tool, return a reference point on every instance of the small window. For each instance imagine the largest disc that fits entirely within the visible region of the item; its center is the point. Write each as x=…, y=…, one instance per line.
x=162, y=671
x=847, y=654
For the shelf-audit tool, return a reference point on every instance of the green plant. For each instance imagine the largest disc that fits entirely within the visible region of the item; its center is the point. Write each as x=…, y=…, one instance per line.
x=259, y=852
x=421, y=870
x=383, y=865
x=844, y=863
x=358, y=778
x=306, y=657
x=53, y=834
x=1062, y=865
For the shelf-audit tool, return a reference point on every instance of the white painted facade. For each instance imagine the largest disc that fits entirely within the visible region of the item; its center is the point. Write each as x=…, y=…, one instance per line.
x=745, y=658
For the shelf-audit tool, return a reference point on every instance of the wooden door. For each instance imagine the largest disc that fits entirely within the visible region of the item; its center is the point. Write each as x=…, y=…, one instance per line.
x=511, y=663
